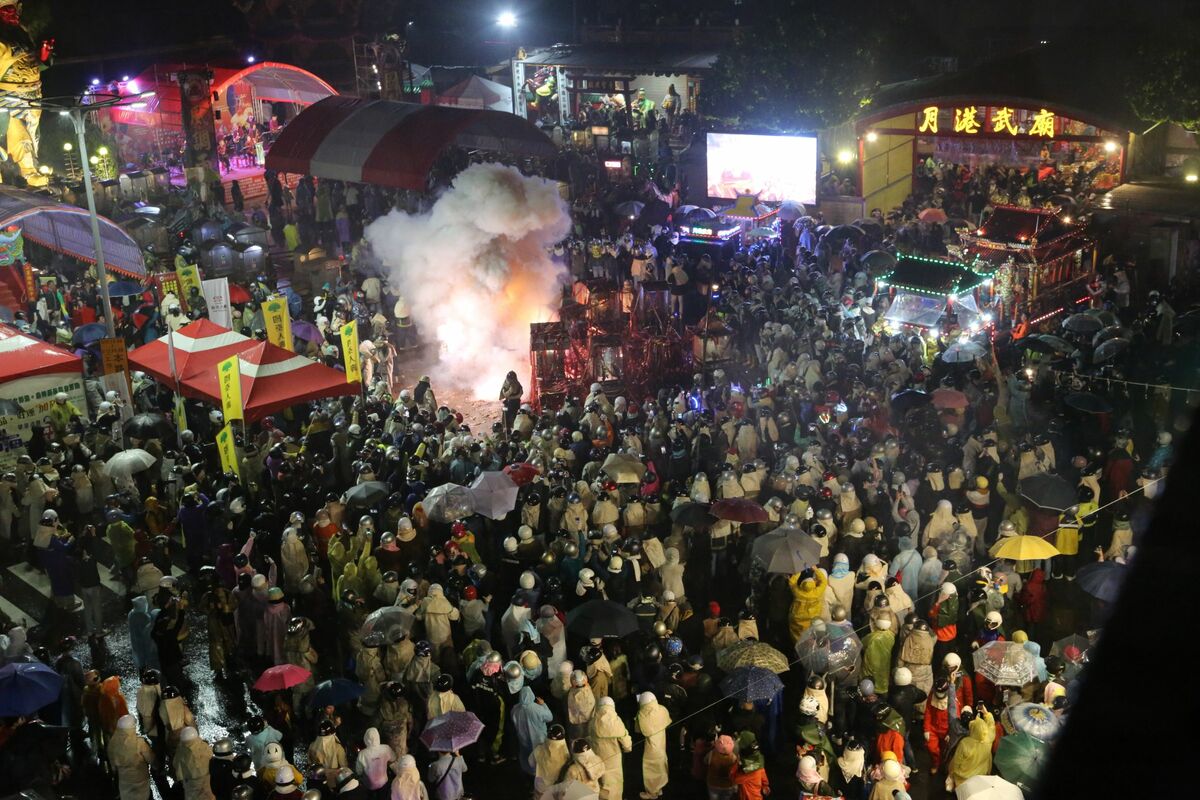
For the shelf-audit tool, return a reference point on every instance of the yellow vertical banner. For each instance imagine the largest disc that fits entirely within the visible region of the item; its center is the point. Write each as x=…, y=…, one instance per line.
x=229, y=376
x=189, y=277
x=350, y=352
x=278, y=322
x=180, y=414
x=227, y=448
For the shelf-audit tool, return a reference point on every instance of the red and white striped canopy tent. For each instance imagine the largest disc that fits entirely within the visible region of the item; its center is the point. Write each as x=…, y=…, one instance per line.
x=23, y=356
x=393, y=144
x=199, y=346
x=274, y=379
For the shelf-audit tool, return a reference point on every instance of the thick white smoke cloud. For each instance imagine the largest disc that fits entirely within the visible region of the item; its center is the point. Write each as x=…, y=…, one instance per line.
x=476, y=272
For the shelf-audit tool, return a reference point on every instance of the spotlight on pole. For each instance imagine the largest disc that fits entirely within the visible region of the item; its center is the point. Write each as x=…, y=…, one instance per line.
x=845, y=156
x=507, y=19
x=1110, y=147
x=872, y=136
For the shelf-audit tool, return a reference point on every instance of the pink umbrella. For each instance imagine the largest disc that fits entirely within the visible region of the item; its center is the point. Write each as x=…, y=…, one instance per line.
x=949, y=398
x=283, y=676
x=932, y=215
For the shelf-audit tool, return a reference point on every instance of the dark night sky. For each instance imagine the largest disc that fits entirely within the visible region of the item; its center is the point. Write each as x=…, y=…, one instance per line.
x=104, y=38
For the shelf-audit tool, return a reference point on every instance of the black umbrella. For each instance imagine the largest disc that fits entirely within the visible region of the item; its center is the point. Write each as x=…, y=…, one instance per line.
x=149, y=426
x=1110, y=350
x=1048, y=491
x=601, y=619
x=366, y=494
x=1036, y=344
x=907, y=400
x=878, y=262
x=1082, y=323
x=692, y=515
x=1088, y=403
x=1111, y=332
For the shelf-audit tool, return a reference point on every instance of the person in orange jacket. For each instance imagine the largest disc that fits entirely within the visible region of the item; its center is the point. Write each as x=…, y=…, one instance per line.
x=750, y=775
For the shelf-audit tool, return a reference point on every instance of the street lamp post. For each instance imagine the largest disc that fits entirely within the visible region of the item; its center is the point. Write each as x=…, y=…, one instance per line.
x=74, y=109
x=76, y=115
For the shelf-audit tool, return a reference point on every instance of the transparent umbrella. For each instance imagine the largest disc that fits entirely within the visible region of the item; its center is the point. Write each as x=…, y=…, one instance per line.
x=128, y=462
x=831, y=649
x=1005, y=663
x=448, y=503
x=1036, y=720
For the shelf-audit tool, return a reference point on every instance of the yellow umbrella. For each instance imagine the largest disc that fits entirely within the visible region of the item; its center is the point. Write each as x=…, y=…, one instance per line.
x=1023, y=548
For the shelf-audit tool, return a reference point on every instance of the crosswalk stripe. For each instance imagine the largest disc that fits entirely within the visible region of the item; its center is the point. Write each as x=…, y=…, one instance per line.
x=38, y=580
x=16, y=614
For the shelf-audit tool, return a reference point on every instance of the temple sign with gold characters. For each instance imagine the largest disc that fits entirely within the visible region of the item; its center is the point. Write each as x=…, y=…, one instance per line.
x=21, y=65
x=971, y=120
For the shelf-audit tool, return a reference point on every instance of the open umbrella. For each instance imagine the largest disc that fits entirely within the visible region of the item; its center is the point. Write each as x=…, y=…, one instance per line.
x=128, y=462
x=1071, y=648
x=303, y=329
x=692, y=515
x=949, y=398
x=521, y=473
x=1005, y=663
x=1109, y=350
x=493, y=494
x=1059, y=344
x=1023, y=548
x=1020, y=758
x=739, y=509
x=1082, y=323
x=238, y=294
x=933, y=215
x=448, y=503
x=366, y=494
x=124, y=288
x=909, y=399
x=451, y=731
x=388, y=621
x=149, y=426
x=963, y=353
x=88, y=334
x=630, y=208
x=751, y=684
x=601, y=619
x=698, y=215
x=26, y=687
x=1037, y=344
x=791, y=210
x=795, y=552
x=623, y=468
x=1036, y=720
x=1102, y=579
x=1088, y=403
x=749, y=653
x=987, y=787
x=1111, y=332
x=831, y=649
x=570, y=790
x=878, y=262
x=280, y=677
x=335, y=692
x=1048, y=491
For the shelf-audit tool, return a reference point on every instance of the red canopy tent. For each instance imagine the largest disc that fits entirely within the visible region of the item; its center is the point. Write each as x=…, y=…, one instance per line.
x=274, y=379
x=394, y=144
x=23, y=356
x=199, y=347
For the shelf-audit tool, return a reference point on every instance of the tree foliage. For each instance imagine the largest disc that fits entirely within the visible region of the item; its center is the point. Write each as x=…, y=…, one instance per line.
x=1163, y=82
x=805, y=65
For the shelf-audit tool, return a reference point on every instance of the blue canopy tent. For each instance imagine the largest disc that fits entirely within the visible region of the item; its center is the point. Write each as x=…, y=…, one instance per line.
x=66, y=229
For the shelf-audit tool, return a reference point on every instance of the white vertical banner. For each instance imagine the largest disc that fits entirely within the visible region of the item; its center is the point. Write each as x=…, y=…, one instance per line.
x=216, y=294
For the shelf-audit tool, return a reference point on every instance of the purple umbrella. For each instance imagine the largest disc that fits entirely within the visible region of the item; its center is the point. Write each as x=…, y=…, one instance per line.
x=303, y=329
x=451, y=731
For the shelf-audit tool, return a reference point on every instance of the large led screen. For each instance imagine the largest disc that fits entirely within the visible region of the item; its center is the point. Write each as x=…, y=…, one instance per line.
x=776, y=168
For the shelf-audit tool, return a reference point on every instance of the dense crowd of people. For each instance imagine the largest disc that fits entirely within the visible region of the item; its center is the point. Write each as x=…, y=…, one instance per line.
x=594, y=629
